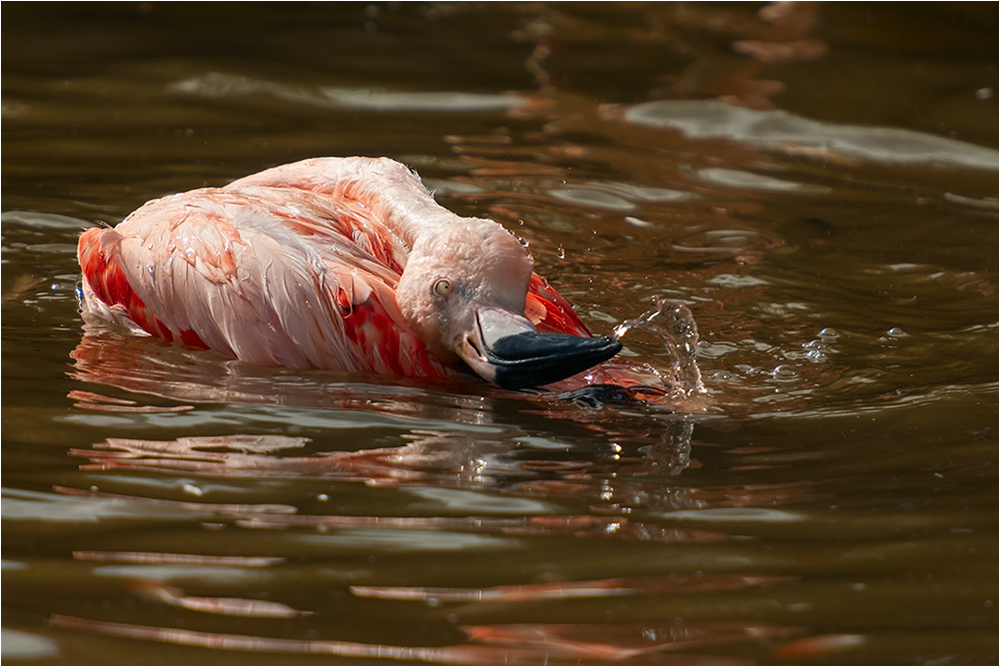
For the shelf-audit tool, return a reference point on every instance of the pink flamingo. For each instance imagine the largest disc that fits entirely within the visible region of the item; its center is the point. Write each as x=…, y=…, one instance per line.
x=344, y=264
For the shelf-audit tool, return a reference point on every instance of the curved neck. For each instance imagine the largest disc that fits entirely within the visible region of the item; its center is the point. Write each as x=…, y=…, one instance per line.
x=392, y=193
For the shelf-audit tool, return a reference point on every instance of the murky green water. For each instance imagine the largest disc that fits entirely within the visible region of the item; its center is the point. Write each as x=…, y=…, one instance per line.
x=820, y=187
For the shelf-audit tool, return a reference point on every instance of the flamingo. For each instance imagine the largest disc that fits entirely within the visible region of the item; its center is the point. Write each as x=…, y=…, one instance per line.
x=345, y=264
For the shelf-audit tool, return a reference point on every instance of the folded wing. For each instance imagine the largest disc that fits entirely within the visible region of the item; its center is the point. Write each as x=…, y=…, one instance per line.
x=258, y=274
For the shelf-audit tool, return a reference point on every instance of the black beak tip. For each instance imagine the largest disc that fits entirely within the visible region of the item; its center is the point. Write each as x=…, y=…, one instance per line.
x=531, y=359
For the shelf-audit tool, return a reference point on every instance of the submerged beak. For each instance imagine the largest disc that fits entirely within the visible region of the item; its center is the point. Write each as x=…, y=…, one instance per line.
x=506, y=349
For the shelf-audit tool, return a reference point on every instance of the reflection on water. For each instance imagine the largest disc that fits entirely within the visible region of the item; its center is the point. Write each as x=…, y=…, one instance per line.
x=814, y=184
x=219, y=85
x=779, y=130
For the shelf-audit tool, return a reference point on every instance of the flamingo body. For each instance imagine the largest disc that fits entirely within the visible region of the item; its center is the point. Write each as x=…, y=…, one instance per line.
x=343, y=264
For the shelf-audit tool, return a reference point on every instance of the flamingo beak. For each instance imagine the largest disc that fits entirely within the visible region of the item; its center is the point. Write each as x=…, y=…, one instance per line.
x=529, y=359
x=506, y=349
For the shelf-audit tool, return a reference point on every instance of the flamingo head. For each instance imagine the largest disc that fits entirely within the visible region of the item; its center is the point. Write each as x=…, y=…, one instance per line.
x=463, y=293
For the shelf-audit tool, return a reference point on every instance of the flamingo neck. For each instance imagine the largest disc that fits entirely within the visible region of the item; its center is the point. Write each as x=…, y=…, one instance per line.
x=392, y=193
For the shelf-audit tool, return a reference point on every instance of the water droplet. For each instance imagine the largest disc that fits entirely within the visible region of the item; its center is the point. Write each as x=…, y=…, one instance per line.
x=896, y=332
x=561, y=252
x=783, y=372
x=322, y=497
x=816, y=356
x=828, y=332
x=723, y=376
x=523, y=242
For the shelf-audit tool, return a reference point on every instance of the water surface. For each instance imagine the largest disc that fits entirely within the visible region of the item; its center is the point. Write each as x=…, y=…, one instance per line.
x=818, y=185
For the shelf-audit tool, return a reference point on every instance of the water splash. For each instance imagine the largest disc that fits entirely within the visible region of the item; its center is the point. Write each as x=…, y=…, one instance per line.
x=679, y=334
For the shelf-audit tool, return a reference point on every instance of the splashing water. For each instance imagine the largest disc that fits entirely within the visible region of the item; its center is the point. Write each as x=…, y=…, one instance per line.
x=679, y=335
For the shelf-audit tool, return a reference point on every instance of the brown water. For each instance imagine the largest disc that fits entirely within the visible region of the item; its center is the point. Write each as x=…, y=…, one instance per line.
x=819, y=187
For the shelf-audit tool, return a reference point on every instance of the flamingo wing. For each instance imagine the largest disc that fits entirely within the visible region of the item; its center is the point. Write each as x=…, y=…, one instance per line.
x=269, y=276
x=550, y=312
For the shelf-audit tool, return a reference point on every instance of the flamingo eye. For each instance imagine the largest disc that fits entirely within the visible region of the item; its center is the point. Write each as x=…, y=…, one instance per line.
x=442, y=288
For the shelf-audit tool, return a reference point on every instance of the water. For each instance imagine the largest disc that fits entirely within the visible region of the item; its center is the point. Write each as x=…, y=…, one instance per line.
x=829, y=498
x=679, y=338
